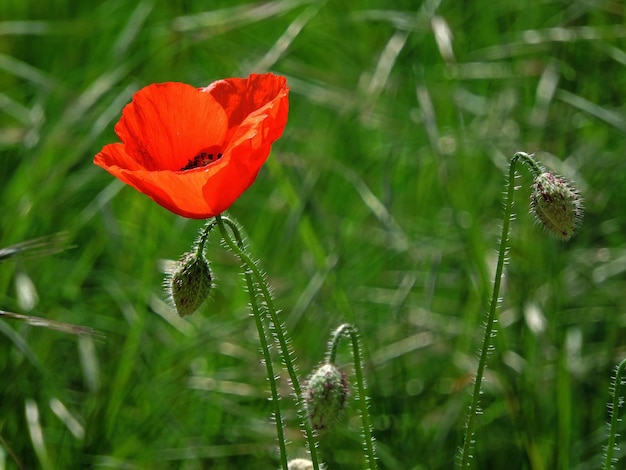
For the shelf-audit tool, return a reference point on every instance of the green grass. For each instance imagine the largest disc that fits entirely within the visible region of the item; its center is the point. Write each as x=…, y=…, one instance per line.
x=380, y=206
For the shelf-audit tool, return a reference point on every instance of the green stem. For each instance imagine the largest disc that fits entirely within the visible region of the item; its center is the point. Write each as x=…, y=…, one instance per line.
x=204, y=236
x=368, y=439
x=493, y=304
x=258, y=319
x=617, y=384
x=253, y=269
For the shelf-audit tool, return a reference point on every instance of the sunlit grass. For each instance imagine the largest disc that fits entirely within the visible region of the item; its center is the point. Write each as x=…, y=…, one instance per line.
x=380, y=206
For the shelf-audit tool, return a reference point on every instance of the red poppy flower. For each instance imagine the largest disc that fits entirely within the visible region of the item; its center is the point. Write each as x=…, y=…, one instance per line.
x=196, y=150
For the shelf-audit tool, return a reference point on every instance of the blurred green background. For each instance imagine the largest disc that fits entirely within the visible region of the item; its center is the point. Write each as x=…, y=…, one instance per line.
x=380, y=206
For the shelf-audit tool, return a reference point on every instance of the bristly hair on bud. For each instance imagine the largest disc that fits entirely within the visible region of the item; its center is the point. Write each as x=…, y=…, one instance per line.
x=189, y=283
x=325, y=393
x=556, y=204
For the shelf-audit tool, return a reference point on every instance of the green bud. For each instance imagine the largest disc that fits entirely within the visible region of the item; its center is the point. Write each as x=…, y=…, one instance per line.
x=556, y=204
x=326, y=393
x=190, y=283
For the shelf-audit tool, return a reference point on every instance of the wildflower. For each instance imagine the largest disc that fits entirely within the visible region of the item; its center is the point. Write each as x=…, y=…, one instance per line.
x=556, y=204
x=189, y=284
x=326, y=392
x=196, y=150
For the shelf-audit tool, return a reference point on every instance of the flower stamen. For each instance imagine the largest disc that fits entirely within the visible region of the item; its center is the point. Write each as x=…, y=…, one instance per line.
x=200, y=160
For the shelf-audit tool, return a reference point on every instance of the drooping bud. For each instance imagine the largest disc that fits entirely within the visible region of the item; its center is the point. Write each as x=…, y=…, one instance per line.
x=557, y=205
x=326, y=393
x=190, y=283
x=300, y=464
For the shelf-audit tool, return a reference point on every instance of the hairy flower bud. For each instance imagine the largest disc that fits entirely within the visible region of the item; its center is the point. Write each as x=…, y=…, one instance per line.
x=190, y=283
x=326, y=393
x=556, y=205
x=300, y=464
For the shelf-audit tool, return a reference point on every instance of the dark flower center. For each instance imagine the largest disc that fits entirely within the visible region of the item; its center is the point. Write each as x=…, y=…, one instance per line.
x=202, y=159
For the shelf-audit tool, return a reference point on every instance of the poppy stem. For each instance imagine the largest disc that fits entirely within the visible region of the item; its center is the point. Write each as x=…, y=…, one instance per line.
x=204, y=236
x=474, y=410
x=614, y=407
x=351, y=332
x=258, y=318
x=251, y=269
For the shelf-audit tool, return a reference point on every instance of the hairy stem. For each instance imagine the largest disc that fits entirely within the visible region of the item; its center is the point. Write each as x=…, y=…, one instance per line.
x=614, y=410
x=204, y=236
x=466, y=451
x=267, y=358
x=281, y=336
x=368, y=440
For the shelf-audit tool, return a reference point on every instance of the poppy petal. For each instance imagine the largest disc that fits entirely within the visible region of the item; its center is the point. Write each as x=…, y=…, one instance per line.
x=242, y=96
x=167, y=124
x=250, y=141
x=188, y=202
x=195, y=151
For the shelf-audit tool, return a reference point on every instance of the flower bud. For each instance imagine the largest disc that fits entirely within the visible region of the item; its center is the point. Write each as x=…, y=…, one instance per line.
x=190, y=283
x=556, y=204
x=326, y=392
x=300, y=464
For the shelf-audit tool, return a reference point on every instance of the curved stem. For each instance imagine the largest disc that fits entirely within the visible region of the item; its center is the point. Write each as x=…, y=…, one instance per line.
x=368, y=440
x=493, y=304
x=280, y=334
x=617, y=384
x=333, y=344
x=528, y=160
x=258, y=319
x=204, y=235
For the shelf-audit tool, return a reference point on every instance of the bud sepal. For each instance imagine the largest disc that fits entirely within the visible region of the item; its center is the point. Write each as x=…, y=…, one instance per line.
x=189, y=283
x=326, y=393
x=556, y=204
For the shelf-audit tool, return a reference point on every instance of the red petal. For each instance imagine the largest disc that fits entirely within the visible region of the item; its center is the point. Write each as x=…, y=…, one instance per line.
x=265, y=99
x=169, y=123
x=242, y=96
x=180, y=193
